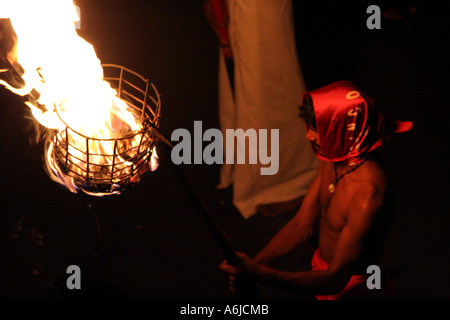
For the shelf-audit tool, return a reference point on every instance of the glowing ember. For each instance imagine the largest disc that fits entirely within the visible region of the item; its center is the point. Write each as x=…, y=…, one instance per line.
x=101, y=140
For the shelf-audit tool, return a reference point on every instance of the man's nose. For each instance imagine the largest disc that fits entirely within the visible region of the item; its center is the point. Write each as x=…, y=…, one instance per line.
x=311, y=135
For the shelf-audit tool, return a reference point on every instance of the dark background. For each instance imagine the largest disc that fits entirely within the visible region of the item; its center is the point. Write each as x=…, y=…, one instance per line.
x=150, y=243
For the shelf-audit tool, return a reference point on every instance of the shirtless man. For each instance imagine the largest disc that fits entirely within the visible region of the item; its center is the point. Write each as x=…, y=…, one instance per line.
x=350, y=196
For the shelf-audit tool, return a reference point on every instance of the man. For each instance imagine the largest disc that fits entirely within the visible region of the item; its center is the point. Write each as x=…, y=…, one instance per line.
x=350, y=196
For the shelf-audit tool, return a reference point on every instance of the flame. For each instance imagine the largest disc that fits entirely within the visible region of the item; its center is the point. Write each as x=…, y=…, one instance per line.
x=64, y=76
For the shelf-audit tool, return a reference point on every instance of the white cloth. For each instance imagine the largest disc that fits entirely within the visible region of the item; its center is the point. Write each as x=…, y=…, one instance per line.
x=268, y=88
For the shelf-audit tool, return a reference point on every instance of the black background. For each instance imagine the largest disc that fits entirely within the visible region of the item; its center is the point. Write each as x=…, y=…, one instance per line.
x=151, y=243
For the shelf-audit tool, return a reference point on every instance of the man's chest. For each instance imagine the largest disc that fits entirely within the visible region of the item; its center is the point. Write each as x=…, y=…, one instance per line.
x=334, y=205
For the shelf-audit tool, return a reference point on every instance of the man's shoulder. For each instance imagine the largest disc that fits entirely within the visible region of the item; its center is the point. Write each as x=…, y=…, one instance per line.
x=371, y=177
x=368, y=188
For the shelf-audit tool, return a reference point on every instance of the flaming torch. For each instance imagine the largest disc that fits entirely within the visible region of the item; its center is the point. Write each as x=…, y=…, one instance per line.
x=99, y=116
x=103, y=120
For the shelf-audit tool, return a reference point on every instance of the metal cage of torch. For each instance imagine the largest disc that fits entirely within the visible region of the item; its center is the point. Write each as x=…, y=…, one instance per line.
x=125, y=163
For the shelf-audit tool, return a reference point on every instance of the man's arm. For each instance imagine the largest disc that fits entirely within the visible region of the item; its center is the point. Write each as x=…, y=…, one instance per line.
x=299, y=229
x=348, y=249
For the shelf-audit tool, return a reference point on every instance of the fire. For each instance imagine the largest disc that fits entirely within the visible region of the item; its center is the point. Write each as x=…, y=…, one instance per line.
x=101, y=140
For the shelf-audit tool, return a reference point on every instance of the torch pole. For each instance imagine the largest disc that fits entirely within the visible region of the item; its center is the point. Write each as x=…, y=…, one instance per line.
x=245, y=288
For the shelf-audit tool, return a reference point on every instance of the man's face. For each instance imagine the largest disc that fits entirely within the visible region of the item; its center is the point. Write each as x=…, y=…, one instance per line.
x=312, y=136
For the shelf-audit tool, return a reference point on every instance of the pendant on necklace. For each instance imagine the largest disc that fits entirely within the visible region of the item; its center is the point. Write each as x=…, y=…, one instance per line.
x=331, y=187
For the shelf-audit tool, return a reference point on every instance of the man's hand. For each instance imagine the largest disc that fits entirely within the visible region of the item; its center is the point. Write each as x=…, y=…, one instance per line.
x=245, y=270
x=246, y=266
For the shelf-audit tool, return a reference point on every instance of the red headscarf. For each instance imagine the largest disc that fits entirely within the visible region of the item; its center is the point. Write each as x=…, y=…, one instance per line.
x=349, y=124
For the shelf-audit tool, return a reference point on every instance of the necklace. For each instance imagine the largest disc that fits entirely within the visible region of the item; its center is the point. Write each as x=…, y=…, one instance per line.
x=332, y=186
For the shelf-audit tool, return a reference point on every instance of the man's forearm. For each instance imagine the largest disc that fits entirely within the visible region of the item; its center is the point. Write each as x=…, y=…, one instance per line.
x=298, y=230
x=289, y=237
x=308, y=282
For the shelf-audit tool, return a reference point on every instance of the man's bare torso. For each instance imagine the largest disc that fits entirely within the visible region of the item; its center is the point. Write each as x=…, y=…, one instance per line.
x=335, y=207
